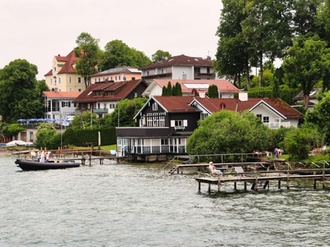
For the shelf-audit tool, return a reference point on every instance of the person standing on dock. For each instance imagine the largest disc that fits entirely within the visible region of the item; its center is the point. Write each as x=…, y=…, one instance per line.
x=213, y=169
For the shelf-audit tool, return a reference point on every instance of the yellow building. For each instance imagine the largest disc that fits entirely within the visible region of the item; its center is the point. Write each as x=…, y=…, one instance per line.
x=63, y=76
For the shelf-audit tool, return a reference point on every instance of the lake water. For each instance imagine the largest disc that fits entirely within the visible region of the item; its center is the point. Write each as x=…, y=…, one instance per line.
x=134, y=205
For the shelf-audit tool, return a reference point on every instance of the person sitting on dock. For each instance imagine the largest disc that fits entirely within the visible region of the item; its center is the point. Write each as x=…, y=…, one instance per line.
x=214, y=170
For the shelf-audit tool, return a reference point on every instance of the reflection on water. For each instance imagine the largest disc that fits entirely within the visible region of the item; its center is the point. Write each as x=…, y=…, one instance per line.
x=133, y=205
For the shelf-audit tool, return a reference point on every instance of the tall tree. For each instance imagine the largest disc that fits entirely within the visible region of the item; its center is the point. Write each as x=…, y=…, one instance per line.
x=304, y=66
x=160, y=55
x=20, y=97
x=117, y=54
x=232, y=54
x=213, y=91
x=267, y=30
x=89, y=53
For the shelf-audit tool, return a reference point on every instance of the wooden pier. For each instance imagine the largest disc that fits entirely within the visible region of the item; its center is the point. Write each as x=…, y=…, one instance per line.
x=261, y=179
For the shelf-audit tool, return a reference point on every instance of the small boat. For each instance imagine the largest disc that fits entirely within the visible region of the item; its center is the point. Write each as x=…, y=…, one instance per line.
x=31, y=165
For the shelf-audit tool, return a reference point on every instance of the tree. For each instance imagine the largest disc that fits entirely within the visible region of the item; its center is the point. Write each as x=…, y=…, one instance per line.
x=169, y=89
x=45, y=134
x=118, y=54
x=89, y=54
x=12, y=130
x=229, y=132
x=320, y=115
x=20, y=96
x=125, y=111
x=267, y=30
x=86, y=120
x=177, y=90
x=213, y=91
x=160, y=55
x=232, y=53
x=298, y=142
x=304, y=66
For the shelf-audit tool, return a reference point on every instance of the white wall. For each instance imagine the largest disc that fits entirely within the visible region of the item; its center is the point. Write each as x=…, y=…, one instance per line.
x=177, y=73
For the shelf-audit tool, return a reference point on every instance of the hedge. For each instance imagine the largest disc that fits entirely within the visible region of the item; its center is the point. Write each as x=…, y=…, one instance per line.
x=87, y=137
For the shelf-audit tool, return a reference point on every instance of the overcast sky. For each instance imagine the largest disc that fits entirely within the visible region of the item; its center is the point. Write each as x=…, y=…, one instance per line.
x=37, y=30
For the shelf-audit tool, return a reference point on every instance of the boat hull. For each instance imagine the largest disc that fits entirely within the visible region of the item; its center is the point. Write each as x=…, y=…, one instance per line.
x=30, y=165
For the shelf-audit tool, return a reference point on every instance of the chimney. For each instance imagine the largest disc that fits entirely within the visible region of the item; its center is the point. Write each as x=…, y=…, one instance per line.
x=243, y=96
x=202, y=94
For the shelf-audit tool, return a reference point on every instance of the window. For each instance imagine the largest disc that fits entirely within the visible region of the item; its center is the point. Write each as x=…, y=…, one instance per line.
x=156, y=119
x=203, y=115
x=66, y=104
x=79, y=79
x=70, y=79
x=179, y=124
x=259, y=116
x=266, y=119
x=59, y=80
x=54, y=69
x=155, y=106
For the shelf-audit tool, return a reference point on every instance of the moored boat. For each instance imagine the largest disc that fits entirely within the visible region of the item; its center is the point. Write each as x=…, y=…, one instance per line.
x=31, y=165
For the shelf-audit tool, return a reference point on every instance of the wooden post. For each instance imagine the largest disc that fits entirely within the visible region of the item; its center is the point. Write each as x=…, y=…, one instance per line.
x=199, y=186
x=288, y=180
x=323, y=179
x=235, y=186
x=219, y=184
x=279, y=184
x=245, y=185
x=209, y=190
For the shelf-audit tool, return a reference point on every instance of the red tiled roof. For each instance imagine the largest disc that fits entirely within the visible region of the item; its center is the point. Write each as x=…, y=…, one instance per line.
x=217, y=104
x=180, y=60
x=57, y=95
x=69, y=61
x=176, y=103
x=120, y=91
x=224, y=86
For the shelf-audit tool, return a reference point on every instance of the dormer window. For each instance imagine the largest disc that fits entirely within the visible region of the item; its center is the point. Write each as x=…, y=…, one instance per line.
x=155, y=106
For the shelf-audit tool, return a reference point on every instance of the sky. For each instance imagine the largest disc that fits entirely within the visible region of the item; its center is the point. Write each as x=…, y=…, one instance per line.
x=38, y=30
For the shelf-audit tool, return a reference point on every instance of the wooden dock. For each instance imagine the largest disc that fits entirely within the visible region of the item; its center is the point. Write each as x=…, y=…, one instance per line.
x=261, y=179
x=179, y=168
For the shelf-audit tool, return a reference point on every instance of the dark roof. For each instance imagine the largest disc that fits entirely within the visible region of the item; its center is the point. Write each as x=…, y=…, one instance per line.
x=180, y=60
x=116, y=91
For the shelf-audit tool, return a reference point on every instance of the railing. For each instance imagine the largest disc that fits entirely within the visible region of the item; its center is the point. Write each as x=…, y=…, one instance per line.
x=101, y=110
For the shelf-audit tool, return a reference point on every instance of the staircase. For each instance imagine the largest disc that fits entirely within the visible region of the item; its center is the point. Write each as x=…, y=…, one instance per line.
x=172, y=170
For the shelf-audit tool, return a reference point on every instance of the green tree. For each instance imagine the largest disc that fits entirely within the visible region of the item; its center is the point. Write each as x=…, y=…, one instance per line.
x=45, y=134
x=213, y=91
x=85, y=120
x=177, y=90
x=118, y=54
x=160, y=55
x=267, y=30
x=320, y=115
x=125, y=111
x=304, y=66
x=11, y=130
x=89, y=54
x=169, y=89
x=229, y=132
x=20, y=96
x=232, y=52
x=298, y=142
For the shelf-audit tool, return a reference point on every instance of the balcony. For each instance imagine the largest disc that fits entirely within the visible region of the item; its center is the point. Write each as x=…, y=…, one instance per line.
x=100, y=111
x=135, y=132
